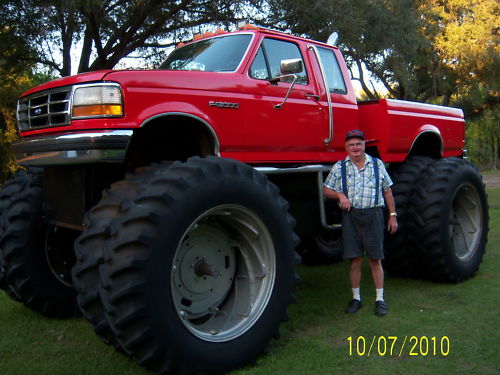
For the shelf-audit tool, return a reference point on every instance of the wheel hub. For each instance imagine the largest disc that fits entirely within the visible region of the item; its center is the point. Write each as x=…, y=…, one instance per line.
x=204, y=269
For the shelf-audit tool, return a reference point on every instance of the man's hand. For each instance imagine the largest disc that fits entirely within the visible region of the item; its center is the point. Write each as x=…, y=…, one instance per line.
x=392, y=225
x=345, y=203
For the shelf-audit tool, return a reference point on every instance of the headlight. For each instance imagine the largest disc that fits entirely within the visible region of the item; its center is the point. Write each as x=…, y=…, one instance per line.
x=97, y=101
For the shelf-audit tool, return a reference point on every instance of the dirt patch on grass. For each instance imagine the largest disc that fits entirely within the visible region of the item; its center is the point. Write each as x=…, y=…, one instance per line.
x=492, y=181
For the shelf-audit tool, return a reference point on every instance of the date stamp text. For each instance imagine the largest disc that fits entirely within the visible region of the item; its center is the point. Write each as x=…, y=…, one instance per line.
x=398, y=346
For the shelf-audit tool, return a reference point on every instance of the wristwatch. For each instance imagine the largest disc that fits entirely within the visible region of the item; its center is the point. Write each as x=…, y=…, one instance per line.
x=393, y=214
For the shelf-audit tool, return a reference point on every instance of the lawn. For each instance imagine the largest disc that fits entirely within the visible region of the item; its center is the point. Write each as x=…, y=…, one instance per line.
x=319, y=339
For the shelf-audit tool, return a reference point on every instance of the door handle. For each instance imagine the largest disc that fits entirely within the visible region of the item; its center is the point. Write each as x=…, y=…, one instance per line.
x=315, y=97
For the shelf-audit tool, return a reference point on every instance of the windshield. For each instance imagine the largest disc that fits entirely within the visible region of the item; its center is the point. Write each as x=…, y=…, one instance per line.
x=222, y=54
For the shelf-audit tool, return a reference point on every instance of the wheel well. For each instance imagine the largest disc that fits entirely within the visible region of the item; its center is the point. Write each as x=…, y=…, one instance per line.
x=427, y=144
x=171, y=137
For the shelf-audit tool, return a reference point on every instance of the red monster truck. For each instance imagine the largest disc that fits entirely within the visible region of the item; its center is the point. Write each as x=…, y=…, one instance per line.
x=166, y=205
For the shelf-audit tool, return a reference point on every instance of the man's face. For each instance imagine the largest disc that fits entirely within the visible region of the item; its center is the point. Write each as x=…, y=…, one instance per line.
x=355, y=147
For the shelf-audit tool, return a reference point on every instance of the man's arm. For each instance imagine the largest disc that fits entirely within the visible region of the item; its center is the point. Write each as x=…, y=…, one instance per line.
x=392, y=225
x=345, y=204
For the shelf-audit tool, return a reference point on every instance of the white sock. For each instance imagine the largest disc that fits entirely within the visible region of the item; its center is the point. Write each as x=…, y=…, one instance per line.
x=356, y=294
x=380, y=294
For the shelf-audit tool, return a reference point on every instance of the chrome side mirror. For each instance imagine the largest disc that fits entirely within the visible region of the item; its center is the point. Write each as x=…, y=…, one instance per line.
x=291, y=66
x=288, y=68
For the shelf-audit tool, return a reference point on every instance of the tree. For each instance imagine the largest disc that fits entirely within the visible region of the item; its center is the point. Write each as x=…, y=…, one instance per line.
x=13, y=84
x=15, y=46
x=380, y=36
x=16, y=54
x=419, y=49
x=464, y=35
x=104, y=32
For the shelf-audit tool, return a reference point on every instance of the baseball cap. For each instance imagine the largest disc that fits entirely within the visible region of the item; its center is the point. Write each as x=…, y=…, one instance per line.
x=354, y=134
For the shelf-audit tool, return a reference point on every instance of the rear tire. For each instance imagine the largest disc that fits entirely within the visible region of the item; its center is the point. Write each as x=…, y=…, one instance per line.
x=199, y=270
x=450, y=221
x=399, y=250
x=37, y=258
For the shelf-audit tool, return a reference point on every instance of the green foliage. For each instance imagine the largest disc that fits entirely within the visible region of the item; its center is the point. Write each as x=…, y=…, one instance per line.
x=17, y=25
x=14, y=83
x=101, y=33
x=483, y=138
x=380, y=35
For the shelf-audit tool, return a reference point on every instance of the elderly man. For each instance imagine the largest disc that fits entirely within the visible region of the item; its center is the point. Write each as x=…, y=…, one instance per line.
x=361, y=185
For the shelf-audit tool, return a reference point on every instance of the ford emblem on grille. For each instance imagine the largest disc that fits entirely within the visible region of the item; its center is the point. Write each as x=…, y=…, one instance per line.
x=37, y=111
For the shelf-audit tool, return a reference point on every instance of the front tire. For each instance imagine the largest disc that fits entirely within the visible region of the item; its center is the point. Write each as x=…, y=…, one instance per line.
x=450, y=221
x=37, y=257
x=200, y=268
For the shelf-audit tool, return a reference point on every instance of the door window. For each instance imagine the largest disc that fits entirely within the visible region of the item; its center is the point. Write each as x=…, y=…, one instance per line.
x=333, y=73
x=267, y=62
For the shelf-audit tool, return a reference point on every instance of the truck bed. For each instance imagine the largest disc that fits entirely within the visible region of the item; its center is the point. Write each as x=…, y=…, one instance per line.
x=394, y=125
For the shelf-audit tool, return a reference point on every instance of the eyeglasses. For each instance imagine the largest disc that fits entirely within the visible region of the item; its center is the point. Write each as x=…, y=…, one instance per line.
x=357, y=144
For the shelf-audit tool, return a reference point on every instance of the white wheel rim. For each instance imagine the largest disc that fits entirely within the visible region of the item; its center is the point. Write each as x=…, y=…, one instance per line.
x=466, y=222
x=223, y=273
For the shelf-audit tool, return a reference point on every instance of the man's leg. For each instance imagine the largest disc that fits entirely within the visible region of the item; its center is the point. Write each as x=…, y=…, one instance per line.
x=378, y=281
x=355, y=279
x=377, y=273
x=355, y=271
x=354, y=253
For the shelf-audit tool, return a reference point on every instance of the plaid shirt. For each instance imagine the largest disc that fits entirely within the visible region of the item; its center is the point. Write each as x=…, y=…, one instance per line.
x=360, y=183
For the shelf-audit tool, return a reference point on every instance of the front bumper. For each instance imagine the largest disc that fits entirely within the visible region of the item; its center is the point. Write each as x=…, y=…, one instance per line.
x=104, y=146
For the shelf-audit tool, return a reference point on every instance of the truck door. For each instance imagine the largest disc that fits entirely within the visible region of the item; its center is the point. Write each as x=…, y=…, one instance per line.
x=290, y=133
x=343, y=98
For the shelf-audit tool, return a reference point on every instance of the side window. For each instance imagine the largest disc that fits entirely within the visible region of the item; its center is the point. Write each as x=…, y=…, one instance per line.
x=332, y=69
x=268, y=60
x=258, y=69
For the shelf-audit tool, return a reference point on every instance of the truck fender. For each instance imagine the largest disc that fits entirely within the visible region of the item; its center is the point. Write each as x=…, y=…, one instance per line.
x=205, y=124
x=427, y=141
x=171, y=136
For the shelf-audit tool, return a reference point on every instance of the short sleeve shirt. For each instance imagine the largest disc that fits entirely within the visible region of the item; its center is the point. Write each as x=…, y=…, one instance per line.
x=360, y=183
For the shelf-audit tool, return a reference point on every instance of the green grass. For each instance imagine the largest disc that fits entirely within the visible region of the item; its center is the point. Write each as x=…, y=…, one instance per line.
x=314, y=341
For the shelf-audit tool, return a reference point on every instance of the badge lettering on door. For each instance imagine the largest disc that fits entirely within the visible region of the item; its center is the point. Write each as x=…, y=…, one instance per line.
x=223, y=105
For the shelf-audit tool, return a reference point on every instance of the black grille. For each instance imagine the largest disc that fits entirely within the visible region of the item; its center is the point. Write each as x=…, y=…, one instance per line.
x=45, y=109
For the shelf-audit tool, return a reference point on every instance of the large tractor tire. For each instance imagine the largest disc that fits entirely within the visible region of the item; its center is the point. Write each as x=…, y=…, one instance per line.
x=450, y=220
x=200, y=267
x=37, y=257
x=399, y=250
x=89, y=253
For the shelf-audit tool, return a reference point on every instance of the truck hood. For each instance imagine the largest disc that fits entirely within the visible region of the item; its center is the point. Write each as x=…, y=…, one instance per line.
x=65, y=81
x=176, y=79
x=151, y=79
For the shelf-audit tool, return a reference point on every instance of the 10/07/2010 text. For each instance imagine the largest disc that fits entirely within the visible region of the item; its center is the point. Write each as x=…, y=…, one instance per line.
x=398, y=346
